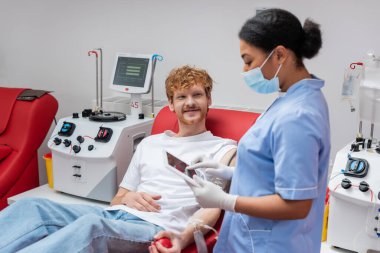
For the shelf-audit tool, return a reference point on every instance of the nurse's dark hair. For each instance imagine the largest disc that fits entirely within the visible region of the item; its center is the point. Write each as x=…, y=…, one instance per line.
x=274, y=27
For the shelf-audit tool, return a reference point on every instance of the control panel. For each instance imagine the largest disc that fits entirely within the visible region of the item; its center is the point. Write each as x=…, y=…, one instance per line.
x=90, y=158
x=354, y=174
x=103, y=135
x=76, y=135
x=354, y=209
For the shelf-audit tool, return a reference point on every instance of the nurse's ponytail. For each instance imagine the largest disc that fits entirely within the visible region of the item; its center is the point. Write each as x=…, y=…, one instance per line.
x=312, y=41
x=273, y=27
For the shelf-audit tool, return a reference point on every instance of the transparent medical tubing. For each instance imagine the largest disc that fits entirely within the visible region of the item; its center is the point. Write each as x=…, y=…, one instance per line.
x=198, y=235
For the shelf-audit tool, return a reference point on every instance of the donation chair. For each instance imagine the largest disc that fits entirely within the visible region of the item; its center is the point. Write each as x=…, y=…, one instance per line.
x=221, y=122
x=25, y=119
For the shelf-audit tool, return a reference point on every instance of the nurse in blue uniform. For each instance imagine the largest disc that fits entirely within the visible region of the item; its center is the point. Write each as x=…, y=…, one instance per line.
x=276, y=200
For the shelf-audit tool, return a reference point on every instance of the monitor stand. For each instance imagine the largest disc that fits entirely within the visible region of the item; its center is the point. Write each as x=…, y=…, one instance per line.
x=136, y=105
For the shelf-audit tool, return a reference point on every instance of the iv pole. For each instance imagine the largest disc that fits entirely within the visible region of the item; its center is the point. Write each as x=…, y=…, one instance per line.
x=97, y=52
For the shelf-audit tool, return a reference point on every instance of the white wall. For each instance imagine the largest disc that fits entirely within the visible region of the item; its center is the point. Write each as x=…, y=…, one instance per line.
x=44, y=44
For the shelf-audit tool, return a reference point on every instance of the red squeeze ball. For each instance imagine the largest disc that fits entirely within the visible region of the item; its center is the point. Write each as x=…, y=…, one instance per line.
x=164, y=242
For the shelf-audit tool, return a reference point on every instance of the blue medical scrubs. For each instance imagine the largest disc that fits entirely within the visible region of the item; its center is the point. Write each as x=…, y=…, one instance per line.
x=286, y=152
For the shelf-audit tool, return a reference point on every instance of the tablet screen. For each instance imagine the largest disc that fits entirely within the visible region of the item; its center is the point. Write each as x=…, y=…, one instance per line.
x=179, y=165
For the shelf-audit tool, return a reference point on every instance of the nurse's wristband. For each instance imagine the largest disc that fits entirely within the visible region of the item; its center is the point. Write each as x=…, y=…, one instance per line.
x=228, y=202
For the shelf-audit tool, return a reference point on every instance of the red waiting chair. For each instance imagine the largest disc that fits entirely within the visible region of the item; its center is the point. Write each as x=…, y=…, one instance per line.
x=25, y=119
x=221, y=122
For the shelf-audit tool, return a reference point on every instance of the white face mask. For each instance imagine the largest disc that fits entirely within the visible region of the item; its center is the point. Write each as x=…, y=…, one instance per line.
x=255, y=79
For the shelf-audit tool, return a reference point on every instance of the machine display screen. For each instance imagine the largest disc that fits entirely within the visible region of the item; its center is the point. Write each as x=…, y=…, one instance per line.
x=131, y=71
x=67, y=129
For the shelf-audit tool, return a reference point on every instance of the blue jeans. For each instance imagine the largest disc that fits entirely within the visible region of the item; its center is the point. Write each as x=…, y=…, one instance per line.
x=41, y=225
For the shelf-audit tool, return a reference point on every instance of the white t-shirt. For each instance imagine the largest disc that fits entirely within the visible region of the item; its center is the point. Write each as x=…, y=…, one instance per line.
x=147, y=173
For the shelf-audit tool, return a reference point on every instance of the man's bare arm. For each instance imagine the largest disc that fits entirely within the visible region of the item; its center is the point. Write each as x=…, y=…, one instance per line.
x=208, y=216
x=229, y=158
x=137, y=200
x=117, y=199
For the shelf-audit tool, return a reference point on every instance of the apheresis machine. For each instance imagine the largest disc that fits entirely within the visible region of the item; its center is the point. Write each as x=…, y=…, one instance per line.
x=354, y=211
x=91, y=152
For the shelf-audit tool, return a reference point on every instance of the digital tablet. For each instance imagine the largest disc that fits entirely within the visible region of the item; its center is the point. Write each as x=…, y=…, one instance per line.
x=178, y=166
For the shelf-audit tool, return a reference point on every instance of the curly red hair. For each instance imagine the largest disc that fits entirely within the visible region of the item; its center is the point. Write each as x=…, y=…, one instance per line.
x=185, y=77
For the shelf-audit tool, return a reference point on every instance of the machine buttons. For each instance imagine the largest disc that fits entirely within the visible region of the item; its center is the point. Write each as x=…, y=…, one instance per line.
x=86, y=113
x=359, y=138
x=75, y=115
x=76, y=148
x=67, y=129
x=369, y=143
x=90, y=147
x=356, y=167
x=57, y=141
x=346, y=183
x=354, y=147
x=80, y=139
x=364, y=186
x=67, y=143
x=104, y=134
